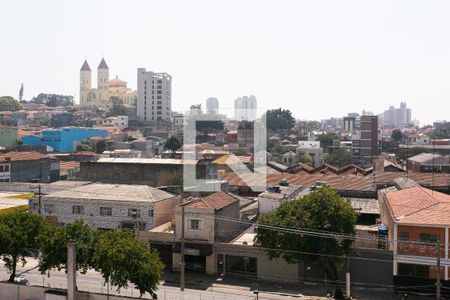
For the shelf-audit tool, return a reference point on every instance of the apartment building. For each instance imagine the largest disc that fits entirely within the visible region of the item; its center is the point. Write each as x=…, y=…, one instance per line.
x=365, y=141
x=154, y=96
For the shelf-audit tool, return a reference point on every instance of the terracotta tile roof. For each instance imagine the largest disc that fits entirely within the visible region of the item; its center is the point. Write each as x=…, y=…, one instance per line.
x=20, y=156
x=338, y=182
x=418, y=205
x=68, y=165
x=217, y=201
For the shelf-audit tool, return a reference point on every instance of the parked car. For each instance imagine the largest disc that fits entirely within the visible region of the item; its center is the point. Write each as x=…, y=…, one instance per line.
x=21, y=281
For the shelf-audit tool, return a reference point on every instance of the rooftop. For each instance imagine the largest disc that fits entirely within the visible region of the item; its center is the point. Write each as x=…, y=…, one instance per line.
x=152, y=161
x=22, y=156
x=112, y=192
x=423, y=157
x=216, y=201
x=284, y=192
x=418, y=205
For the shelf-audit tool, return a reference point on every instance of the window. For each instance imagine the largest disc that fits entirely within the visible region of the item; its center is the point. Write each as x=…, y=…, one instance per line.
x=194, y=224
x=428, y=238
x=105, y=211
x=49, y=208
x=159, y=97
x=134, y=212
x=151, y=213
x=403, y=236
x=410, y=270
x=2, y=168
x=77, y=209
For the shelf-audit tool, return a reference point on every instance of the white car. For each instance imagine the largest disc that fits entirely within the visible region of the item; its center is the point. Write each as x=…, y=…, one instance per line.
x=21, y=281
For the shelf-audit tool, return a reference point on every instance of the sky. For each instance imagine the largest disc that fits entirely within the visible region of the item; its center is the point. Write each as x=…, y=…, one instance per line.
x=317, y=58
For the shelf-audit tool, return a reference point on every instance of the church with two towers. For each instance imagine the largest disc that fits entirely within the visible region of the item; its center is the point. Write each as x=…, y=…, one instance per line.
x=106, y=89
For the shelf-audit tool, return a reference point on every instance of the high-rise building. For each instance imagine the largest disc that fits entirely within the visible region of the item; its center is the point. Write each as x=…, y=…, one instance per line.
x=349, y=123
x=154, y=100
x=212, y=106
x=365, y=141
x=397, y=117
x=245, y=108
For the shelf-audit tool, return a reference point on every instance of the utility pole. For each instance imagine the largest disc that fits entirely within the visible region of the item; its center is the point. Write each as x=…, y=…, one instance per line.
x=39, y=199
x=438, y=271
x=71, y=270
x=347, y=279
x=182, y=266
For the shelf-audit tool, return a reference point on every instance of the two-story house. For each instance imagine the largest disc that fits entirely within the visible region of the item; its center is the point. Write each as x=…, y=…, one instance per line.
x=206, y=222
x=416, y=219
x=108, y=206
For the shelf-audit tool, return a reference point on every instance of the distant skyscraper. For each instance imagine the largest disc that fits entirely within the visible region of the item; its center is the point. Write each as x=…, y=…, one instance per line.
x=245, y=108
x=154, y=101
x=397, y=117
x=212, y=106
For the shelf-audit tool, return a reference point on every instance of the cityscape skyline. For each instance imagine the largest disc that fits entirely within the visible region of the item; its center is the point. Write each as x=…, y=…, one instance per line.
x=389, y=57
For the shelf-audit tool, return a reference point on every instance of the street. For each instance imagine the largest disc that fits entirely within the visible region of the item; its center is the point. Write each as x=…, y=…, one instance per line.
x=93, y=282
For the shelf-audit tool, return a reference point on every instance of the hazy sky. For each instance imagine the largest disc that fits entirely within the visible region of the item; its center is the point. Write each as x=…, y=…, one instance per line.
x=317, y=58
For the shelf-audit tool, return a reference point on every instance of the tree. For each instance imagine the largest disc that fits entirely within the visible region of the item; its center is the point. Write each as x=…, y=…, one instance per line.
x=100, y=146
x=328, y=137
x=396, y=135
x=85, y=146
x=320, y=210
x=306, y=158
x=172, y=144
x=442, y=131
x=53, y=100
x=18, y=238
x=279, y=119
x=117, y=108
x=338, y=157
x=122, y=259
x=10, y=104
x=53, y=246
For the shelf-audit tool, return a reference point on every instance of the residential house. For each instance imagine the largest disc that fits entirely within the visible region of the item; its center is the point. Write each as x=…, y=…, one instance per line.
x=28, y=167
x=274, y=196
x=108, y=206
x=429, y=162
x=416, y=219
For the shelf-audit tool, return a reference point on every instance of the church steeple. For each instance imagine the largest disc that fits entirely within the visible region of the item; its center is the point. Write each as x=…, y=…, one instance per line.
x=103, y=65
x=85, y=66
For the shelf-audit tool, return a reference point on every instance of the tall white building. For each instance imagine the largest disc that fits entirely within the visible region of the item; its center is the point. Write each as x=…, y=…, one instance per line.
x=212, y=106
x=245, y=108
x=397, y=117
x=154, y=96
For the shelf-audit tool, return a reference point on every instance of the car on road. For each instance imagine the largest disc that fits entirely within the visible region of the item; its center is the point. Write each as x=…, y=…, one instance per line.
x=21, y=281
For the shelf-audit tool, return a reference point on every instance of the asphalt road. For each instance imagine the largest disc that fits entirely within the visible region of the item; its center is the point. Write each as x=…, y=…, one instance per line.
x=93, y=282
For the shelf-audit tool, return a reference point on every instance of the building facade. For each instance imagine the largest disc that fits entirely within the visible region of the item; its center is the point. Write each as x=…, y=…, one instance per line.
x=154, y=96
x=365, y=141
x=63, y=139
x=108, y=206
x=212, y=106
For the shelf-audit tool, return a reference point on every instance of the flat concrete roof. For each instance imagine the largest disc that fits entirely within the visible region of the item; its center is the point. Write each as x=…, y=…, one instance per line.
x=152, y=161
x=6, y=202
x=113, y=192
